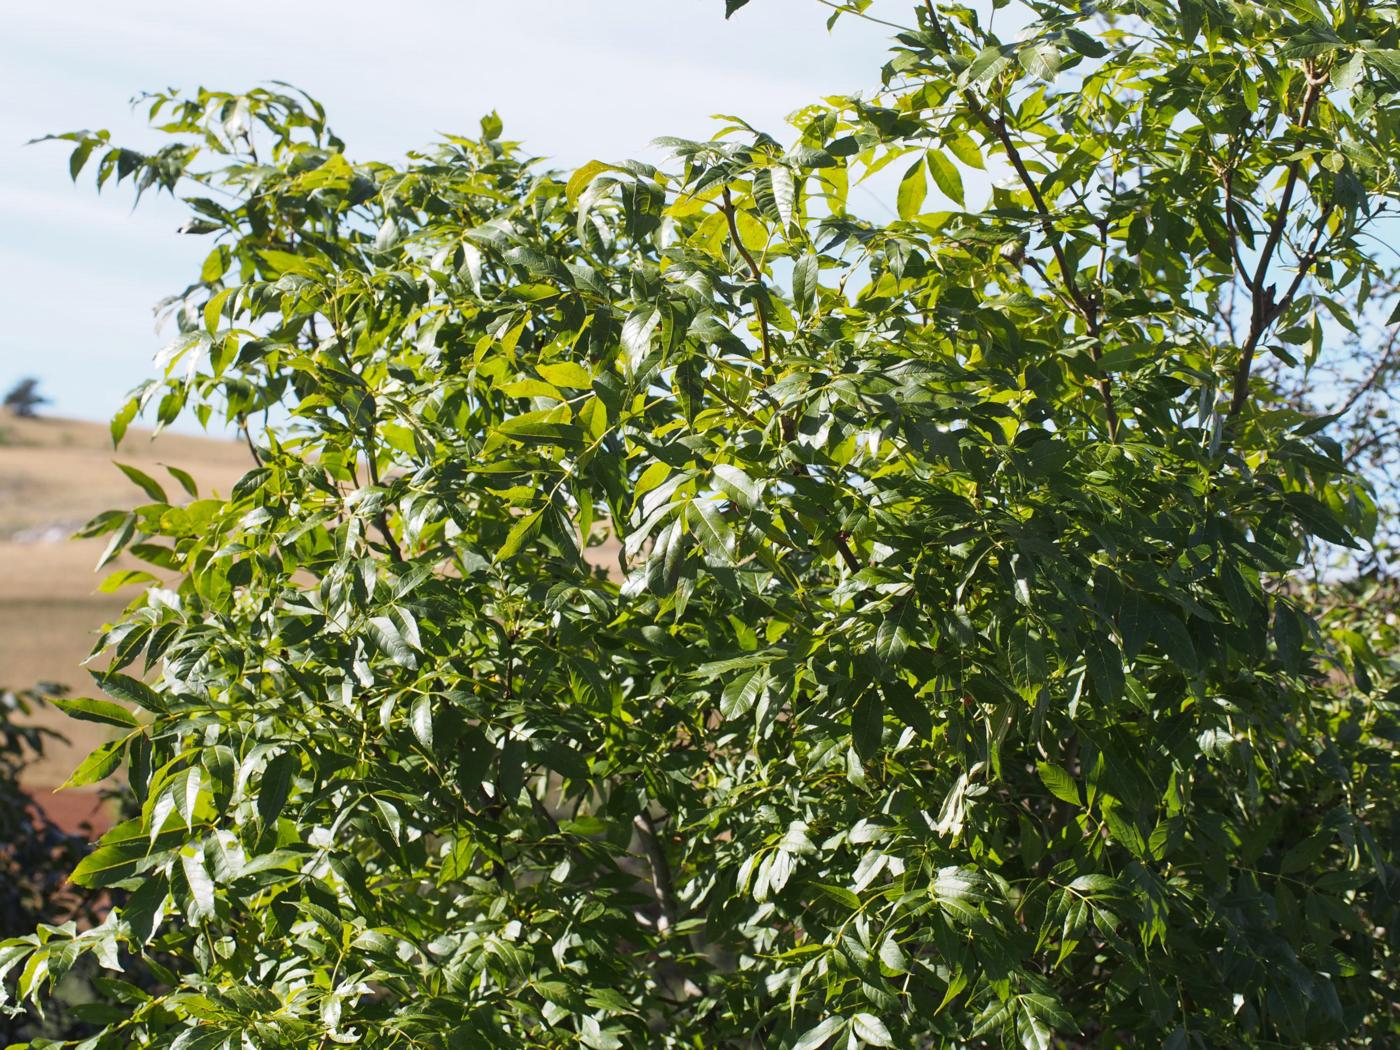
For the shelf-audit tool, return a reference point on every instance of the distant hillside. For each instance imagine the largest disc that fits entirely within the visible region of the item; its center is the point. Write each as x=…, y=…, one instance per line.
x=59, y=472
x=55, y=474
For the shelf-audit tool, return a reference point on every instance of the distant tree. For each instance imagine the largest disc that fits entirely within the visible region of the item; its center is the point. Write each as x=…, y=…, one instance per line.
x=24, y=397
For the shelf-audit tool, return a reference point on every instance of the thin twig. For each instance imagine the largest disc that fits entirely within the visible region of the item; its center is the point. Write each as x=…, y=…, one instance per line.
x=1265, y=309
x=1083, y=304
x=1370, y=381
x=248, y=437
x=757, y=276
x=382, y=518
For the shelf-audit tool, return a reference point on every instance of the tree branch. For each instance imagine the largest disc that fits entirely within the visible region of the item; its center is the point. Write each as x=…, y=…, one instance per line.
x=1265, y=309
x=1376, y=373
x=1082, y=304
x=661, y=881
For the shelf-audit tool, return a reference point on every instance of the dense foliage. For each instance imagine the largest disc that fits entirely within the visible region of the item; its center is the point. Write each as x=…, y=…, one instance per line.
x=955, y=684
x=36, y=855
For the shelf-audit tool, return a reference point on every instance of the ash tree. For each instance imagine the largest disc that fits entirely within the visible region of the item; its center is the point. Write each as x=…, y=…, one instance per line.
x=952, y=684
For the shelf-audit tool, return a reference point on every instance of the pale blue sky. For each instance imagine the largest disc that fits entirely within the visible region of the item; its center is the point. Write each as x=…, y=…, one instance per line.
x=575, y=79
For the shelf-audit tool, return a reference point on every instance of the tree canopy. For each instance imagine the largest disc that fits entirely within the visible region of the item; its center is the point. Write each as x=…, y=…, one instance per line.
x=956, y=685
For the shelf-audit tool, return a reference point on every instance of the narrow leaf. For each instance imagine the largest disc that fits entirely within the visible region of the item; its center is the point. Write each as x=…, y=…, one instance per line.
x=1059, y=782
x=913, y=188
x=102, y=711
x=946, y=176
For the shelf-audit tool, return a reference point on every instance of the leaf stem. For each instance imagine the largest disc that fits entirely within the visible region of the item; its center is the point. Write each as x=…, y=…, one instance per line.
x=728, y=208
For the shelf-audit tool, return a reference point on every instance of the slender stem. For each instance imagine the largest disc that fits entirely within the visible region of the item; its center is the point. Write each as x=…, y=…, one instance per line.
x=1083, y=304
x=248, y=438
x=846, y=10
x=728, y=208
x=382, y=518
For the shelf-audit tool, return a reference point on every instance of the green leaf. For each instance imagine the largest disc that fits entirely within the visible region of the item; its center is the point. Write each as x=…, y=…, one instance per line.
x=912, y=190
x=738, y=486
x=868, y=723
x=276, y=786
x=1059, y=783
x=1105, y=665
x=201, y=905
x=964, y=149
x=123, y=687
x=892, y=636
x=636, y=334
x=524, y=528
x=99, y=765
x=387, y=639
x=946, y=176
x=784, y=194
x=739, y=695
x=805, y=274
x=1041, y=60
x=107, y=865
x=103, y=711
x=715, y=535
x=123, y=419
x=1317, y=519
x=1033, y=1032
x=1027, y=652
x=871, y=1030
x=390, y=817
x=1306, y=854
x=214, y=308
x=421, y=721
x=147, y=484
x=813, y=1038
x=1085, y=44
x=186, y=481
x=539, y=428
x=279, y=262
x=892, y=958
x=566, y=374
x=841, y=895
x=960, y=892
x=580, y=179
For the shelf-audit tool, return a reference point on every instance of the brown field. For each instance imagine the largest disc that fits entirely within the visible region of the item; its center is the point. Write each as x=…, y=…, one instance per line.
x=55, y=474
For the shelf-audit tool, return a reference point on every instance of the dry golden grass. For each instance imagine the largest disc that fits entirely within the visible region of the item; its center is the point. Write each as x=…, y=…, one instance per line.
x=59, y=472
